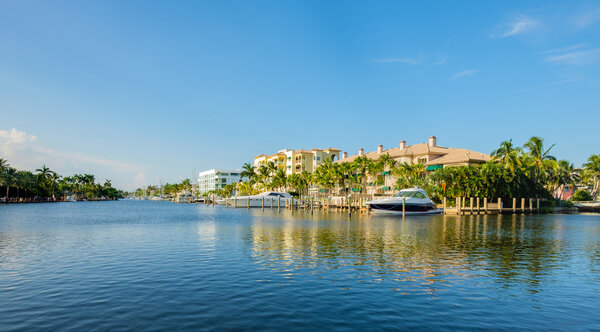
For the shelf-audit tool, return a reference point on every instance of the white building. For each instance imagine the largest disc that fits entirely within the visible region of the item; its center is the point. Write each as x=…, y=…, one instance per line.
x=217, y=179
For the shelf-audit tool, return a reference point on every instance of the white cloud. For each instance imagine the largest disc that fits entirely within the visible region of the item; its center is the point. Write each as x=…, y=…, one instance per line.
x=571, y=80
x=407, y=60
x=587, y=18
x=519, y=25
x=25, y=151
x=576, y=58
x=564, y=49
x=464, y=73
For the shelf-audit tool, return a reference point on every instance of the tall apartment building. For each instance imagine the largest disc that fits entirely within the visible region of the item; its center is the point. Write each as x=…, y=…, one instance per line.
x=297, y=161
x=217, y=179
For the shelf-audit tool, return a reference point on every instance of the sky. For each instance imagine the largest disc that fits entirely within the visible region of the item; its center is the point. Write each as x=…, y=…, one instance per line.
x=146, y=91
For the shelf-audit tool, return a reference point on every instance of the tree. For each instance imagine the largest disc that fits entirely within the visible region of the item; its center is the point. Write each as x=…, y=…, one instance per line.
x=591, y=172
x=248, y=172
x=539, y=156
x=9, y=178
x=508, y=155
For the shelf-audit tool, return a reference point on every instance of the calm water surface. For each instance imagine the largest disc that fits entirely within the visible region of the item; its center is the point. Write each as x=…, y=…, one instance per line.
x=142, y=265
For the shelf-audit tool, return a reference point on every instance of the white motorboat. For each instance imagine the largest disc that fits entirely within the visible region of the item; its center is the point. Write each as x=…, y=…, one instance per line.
x=270, y=198
x=70, y=198
x=184, y=197
x=414, y=200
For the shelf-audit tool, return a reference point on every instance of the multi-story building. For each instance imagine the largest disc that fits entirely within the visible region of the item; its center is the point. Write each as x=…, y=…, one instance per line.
x=429, y=154
x=217, y=179
x=297, y=161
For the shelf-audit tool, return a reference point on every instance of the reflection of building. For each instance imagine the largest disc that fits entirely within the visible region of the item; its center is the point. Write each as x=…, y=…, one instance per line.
x=217, y=179
x=297, y=161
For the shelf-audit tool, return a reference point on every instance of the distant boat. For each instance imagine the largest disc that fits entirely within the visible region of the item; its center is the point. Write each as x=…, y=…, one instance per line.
x=70, y=199
x=270, y=197
x=416, y=202
x=157, y=198
x=185, y=197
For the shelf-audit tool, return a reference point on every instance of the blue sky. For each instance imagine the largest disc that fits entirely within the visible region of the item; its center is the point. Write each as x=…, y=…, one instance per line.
x=135, y=91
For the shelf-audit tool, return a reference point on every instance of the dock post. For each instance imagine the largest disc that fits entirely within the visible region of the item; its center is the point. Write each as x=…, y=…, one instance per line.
x=471, y=204
x=477, y=205
x=457, y=205
x=485, y=206
x=278, y=203
x=462, y=205
x=523, y=204
x=271, y=199
x=263, y=203
x=248, y=202
x=538, y=205
x=235, y=202
x=514, y=205
x=499, y=205
x=403, y=207
x=444, y=205
x=531, y=205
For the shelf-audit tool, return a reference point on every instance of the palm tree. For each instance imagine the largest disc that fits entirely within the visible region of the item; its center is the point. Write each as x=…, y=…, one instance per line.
x=279, y=179
x=508, y=155
x=54, y=177
x=248, y=172
x=361, y=166
x=591, y=171
x=538, y=156
x=9, y=178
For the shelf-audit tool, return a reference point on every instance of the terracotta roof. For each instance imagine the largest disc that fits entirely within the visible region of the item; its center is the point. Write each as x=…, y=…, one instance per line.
x=332, y=149
x=372, y=155
x=417, y=149
x=457, y=156
x=316, y=149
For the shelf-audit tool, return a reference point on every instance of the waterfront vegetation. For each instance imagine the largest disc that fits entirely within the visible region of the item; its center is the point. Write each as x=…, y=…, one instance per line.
x=47, y=184
x=514, y=171
x=168, y=189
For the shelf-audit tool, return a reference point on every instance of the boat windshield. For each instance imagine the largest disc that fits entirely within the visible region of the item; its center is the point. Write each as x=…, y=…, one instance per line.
x=407, y=194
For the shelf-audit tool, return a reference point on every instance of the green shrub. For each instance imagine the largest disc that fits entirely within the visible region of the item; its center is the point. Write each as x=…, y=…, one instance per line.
x=582, y=195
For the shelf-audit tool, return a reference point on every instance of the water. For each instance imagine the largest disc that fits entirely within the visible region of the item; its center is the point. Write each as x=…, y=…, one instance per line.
x=141, y=265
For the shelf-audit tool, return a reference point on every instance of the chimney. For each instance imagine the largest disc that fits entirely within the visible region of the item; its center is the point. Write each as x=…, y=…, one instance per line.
x=361, y=152
x=379, y=148
x=344, y=155
x=432, y=140
x=402, y=144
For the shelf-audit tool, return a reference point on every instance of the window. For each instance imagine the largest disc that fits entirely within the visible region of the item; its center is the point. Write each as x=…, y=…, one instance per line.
x=318, y=158
x=407, y=194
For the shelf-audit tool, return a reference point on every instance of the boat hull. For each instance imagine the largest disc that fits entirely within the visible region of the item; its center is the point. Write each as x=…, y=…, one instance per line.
x=258, y=202
x=409, y=209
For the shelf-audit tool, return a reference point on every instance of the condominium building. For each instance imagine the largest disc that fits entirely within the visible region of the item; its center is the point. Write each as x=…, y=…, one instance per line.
x=429, y=154
x=297, y=161
x=217, y=179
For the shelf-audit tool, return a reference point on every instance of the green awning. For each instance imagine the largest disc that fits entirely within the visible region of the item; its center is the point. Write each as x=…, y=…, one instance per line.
x=386, y=188
x=385, y=173
x=355, y=189
x=323, y=190
x=434, y=167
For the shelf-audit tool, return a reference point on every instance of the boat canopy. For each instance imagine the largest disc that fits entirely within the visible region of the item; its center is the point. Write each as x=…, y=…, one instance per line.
x=413, y=192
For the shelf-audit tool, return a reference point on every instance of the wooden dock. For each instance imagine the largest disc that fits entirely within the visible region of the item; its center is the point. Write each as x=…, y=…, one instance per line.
x=462, y=206
x=482, y=206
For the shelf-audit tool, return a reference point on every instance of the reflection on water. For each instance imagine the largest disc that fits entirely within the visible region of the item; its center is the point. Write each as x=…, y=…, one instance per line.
x=508, y=250
x=161, y=266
